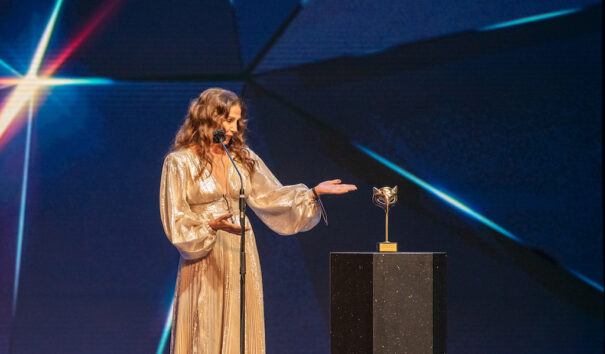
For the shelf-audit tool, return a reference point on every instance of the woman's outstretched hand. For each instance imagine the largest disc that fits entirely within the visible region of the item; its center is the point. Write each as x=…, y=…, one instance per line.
x=221, y=223
x=334, y=187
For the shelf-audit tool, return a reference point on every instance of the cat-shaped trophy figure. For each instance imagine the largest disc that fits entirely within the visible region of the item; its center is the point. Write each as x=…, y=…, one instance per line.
x=385, y=197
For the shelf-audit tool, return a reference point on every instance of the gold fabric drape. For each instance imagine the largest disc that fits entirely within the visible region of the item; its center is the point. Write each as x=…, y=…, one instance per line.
x=206, y=311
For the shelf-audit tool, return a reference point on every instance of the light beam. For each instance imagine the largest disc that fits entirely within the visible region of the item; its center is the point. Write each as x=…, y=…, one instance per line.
x=461, y=206
x=23, y=204
x=166, y=331
x=529, y=19
x=9, y=68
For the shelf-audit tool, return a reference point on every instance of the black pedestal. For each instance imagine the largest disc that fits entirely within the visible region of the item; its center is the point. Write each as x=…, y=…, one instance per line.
x=387, y=303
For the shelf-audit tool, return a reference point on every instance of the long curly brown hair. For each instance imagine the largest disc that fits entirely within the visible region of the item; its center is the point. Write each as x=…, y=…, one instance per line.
x=206, y=114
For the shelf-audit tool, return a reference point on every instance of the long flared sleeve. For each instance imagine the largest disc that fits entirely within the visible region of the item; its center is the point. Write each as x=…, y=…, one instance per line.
x=188, y=231
x=285, y=209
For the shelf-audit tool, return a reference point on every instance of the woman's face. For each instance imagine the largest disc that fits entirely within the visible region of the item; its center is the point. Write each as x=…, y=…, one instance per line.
x=231, y=122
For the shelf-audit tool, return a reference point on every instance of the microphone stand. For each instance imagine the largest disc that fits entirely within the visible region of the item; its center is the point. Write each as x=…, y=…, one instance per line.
x=242, y=259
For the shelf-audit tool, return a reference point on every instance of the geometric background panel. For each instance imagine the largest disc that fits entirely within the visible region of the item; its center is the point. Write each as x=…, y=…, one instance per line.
x=327, y=29
x=514, y=131
x=257, y=21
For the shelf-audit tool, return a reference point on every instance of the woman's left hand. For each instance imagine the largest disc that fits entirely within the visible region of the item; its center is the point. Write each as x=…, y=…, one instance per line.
x=334, y=187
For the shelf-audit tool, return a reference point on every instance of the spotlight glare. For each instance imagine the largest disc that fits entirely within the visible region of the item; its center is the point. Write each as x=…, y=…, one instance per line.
x=15, y=102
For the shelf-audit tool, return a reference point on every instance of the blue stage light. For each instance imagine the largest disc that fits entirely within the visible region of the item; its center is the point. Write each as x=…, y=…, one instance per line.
x=166, y=331
x=586, y=279
x=22, y=207
x=524, y=20
x=9, y=68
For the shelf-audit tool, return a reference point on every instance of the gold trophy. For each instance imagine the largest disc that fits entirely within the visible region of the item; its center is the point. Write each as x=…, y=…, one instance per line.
x=385, y=197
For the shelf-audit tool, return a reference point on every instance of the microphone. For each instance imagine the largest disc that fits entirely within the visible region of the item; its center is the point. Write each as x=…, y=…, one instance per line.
x=218, y=136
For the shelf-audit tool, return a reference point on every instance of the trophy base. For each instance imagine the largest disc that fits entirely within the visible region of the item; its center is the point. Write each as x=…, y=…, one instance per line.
x=386, y=246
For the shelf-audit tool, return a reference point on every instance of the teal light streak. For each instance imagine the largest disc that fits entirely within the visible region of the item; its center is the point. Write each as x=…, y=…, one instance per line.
x=524, y=20
x=57, y=81
x=441, y=195
x=587, y=280
x=23, y=204
x=166, y=331
x=9, y=68
x=460, y=206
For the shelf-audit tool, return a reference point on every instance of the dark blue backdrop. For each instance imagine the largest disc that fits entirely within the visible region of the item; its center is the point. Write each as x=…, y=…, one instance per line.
x=506, y=120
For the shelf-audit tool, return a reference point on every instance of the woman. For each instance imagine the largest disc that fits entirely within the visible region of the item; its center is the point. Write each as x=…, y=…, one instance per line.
x=198, y=195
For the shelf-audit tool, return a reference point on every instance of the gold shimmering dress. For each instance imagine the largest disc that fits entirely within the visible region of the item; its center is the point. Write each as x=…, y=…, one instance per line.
x=207, y=295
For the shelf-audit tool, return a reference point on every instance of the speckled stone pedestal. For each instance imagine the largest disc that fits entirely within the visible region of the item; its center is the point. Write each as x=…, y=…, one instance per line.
x=387, y=303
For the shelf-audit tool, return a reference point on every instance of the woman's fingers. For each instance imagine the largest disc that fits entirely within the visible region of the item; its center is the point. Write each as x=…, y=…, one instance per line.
x=238, y=227
x=222, y=223
x=225, y=217
x=232, y=228
x=344, y=188
x=334, y=187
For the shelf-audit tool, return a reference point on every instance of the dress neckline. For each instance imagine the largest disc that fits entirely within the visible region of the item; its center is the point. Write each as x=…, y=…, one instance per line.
x=227, y=176
x=214, y=179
